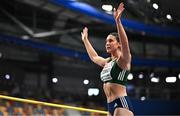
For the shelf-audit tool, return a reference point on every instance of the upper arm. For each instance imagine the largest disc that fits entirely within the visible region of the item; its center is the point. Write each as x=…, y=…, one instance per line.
x=99, y=60
x=126, y=55
x=124, y=61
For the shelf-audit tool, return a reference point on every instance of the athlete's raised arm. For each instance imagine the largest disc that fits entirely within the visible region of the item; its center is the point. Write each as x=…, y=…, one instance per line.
x=126, y=55
x=90, y=50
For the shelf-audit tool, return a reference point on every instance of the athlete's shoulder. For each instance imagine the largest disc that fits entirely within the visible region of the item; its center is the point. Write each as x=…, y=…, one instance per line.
x=108, y=59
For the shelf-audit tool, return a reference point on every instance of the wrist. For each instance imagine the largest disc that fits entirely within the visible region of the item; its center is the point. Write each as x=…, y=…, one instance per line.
x=85, y=39
x=118, y=20
x=118, y=23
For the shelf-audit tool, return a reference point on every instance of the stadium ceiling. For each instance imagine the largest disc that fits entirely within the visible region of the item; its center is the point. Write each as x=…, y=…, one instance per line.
x=59, y=22
x=55, y=16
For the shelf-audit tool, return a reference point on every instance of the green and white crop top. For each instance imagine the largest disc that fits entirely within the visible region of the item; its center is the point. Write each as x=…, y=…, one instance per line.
x=114, y=74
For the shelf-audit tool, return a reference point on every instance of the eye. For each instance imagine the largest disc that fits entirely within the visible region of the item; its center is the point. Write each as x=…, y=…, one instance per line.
x=109, y=40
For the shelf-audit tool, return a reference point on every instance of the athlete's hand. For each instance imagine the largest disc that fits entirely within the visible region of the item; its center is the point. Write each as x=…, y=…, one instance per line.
x=84, y=34
x=117, y=13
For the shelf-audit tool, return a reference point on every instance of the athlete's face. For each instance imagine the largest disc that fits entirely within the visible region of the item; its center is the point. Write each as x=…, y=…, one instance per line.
x=111, y=44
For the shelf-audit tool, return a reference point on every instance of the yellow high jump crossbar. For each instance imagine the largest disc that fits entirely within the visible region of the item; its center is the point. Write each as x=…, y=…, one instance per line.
x=51, y=104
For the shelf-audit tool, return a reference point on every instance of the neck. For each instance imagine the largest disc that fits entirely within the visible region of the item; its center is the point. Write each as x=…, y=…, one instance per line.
x=116, y=54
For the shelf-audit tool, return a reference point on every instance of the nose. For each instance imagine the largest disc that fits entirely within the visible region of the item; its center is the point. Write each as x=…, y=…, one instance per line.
x=107, y=43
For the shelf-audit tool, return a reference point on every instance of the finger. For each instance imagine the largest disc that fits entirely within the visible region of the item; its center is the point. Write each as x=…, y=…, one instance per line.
x=114, y=9
x=85, y=28
x=119, y=14
x=122, y=10
x=121, y=5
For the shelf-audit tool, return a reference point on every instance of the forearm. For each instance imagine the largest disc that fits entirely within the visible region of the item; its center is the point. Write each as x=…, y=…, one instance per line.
x=90, y=50
x=121, y=32
x=122, y=37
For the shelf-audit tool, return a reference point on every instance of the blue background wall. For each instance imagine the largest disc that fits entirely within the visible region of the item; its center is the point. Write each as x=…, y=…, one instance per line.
x=154, y=107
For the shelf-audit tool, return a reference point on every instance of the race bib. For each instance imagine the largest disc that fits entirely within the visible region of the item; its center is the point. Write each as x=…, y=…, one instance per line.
x=105, y=73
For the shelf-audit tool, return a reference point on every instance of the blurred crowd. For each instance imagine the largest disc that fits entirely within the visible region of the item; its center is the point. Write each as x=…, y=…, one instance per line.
x=9, y=108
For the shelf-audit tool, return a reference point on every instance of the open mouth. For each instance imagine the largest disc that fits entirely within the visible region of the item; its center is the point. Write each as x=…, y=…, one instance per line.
x=108, y=47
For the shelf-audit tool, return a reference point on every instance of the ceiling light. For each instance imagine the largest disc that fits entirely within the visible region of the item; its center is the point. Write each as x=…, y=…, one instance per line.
x=141, y=76
x=107, y=7
x=25, y=37
x=155, y=6
x=168, y=16
x=86, y=81
x=170, y=79
x=152, y=75
x=93, y=91
x=143, y=98
x=54, y=80
x=7, y=76
x=130, y=76
x=154, y=79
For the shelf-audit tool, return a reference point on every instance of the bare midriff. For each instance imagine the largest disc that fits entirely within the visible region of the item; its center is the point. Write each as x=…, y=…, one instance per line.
x=113, y=91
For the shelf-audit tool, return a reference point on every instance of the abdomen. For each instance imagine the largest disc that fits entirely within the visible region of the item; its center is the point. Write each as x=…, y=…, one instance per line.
x=113, y=91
